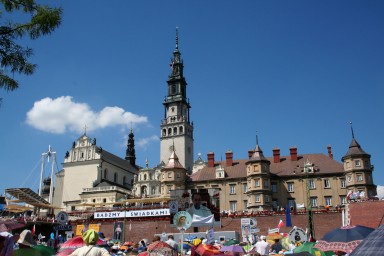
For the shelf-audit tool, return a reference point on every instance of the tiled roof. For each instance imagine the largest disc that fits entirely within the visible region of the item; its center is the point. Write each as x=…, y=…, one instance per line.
x=285, y=167
x=173, y=162
x=355, y=149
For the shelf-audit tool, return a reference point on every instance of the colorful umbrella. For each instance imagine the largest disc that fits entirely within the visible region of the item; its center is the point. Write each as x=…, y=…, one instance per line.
x=207, y=250
x=7, y=226
x=163, y=251
x=145, y=253
x=157, y=245
x=231, y=242
x=71, y=245
x=372, y=244
x=308, y=247
x=344, y=239
x=232, y=248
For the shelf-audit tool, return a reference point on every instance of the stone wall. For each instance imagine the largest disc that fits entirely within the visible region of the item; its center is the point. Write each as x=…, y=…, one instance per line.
x=369, y=213
x=323, y=223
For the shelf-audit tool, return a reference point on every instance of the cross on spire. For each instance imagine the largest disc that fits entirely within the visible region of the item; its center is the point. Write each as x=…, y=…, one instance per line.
x=85, y=129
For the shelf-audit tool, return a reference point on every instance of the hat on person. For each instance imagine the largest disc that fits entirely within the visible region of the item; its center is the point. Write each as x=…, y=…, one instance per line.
x=262, y=237
x=26, y=238
x=90, y=237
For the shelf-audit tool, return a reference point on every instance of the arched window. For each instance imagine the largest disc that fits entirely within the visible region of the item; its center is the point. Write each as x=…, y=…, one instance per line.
x=181, y=129
x=115, y=177
x=150, y=176
x=169, y=131
x=175, y=130
x=164, y=132
x=145, y=176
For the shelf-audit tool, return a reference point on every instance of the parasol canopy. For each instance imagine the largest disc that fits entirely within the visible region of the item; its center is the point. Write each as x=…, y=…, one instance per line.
x=308, y=247
x=344, y=239
x=207, y=250
x=232, y=248
x=72, y=244
x=6, y=226
x=372, y=244
x=163, y=251
x=231, y=242
x=158, y=245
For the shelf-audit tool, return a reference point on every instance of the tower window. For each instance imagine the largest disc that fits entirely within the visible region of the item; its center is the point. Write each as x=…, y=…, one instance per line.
x=357, y=163
x=181, y=129
x=169, y=174
x=175, y=130
x=173, y=90
x=115, y=177
x=359, y=177
x=169, y=131
x=164, y=132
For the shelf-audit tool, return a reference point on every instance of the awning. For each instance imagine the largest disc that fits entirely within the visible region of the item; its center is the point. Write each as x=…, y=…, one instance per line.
x=28, y=196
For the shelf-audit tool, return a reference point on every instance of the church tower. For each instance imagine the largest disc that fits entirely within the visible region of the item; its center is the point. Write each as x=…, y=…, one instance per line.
x=176, y=133
x=358, y=170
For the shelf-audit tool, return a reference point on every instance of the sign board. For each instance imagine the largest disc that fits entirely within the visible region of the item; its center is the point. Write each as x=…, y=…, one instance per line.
x=183, y=220
x=62, y=227
x=131, y=214
x=211, y=236
x=252, y=222
x=297, y=236
x=173, y=207
x=62, y=218
x=245, y=227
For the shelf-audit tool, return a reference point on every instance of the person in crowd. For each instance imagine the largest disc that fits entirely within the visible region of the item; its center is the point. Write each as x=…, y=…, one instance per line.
x=172, y=242
x=26, y=245
x=262, y=246
x=90, y=238
x=276, y=247
x=197, y=208
x=7, y=243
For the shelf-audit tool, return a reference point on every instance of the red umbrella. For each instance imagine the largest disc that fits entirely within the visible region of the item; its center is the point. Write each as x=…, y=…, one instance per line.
x=71, y=245
x=157, y=245
x=207, y=250
x=6, y=226
x=144, y=253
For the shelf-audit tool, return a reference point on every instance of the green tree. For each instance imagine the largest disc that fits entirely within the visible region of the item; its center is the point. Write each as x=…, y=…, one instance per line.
x=38, y=20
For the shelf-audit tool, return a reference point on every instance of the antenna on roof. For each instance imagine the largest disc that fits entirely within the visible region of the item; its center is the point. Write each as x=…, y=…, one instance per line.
x=257, y=139
x=353, y=135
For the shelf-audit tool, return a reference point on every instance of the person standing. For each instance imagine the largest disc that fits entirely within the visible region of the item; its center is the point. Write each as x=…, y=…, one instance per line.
x=172, y=242
x=276, y=247
x=90, y=238
x=262, y=246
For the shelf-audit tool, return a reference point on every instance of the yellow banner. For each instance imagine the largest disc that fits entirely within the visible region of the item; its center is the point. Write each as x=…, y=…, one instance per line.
x=95, y=227
x=79, y=230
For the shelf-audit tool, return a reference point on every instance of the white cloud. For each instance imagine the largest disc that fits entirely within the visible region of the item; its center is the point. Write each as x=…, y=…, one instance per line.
x=380, y=192
x=143, y=143
x=63, y=114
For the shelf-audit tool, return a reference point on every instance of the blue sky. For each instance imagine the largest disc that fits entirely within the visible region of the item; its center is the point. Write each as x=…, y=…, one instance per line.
x=295, y=72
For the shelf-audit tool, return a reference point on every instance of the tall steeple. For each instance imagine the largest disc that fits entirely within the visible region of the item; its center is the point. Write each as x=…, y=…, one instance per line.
x=130, y=152
x=176, y=127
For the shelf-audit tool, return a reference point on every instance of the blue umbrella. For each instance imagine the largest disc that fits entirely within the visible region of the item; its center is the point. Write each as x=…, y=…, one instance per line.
x=347, y=234
x=372, y=244
x=344, y=239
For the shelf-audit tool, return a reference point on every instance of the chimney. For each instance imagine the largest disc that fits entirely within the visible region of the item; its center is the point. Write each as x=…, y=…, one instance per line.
x=293, y=152
x=330, y=154
x=276, y=155
x=211, y=159
x=250, y=153
x=229, y=158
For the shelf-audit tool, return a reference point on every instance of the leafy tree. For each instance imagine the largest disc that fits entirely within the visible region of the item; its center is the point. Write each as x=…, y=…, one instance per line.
x=41, y=20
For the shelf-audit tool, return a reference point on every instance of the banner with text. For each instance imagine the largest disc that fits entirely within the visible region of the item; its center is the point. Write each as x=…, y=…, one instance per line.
x=132, y=214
